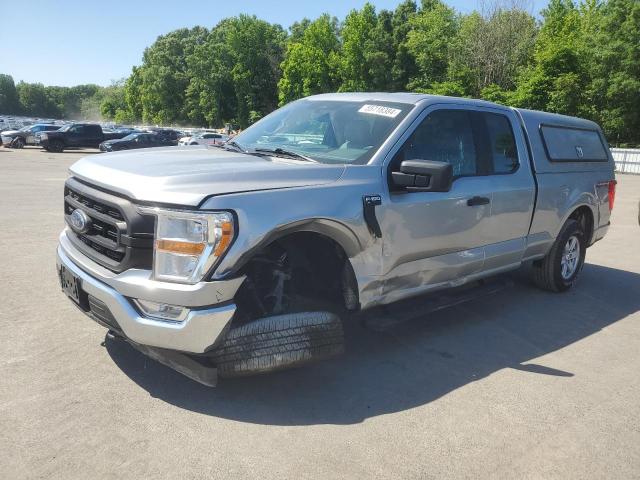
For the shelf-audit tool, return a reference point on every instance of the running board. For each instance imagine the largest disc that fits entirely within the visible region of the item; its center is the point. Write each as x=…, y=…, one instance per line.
x=386, y=317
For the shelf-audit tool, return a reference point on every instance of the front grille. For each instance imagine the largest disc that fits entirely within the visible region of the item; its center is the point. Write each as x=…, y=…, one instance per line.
x=95, y=205
x=112, y=254
x=118, y=236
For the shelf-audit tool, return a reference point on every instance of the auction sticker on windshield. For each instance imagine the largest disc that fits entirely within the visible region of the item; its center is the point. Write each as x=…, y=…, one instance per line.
x=380, y=110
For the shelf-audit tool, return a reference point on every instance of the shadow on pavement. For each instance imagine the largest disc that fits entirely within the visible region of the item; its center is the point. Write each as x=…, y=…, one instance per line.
x=411, y=365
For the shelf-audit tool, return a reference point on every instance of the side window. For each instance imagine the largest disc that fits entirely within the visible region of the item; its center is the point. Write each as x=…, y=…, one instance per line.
x=443, y=136
x=566, y=144
x=502, y=143
x=77, y=129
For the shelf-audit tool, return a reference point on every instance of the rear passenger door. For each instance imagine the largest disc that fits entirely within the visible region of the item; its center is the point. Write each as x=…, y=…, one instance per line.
x=508, y=169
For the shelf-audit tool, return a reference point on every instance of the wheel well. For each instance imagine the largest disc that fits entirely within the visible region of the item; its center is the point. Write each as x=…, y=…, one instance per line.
x=317, y=276
x=584, y=216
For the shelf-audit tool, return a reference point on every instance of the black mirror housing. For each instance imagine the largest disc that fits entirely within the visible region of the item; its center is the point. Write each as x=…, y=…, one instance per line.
x=423, y=176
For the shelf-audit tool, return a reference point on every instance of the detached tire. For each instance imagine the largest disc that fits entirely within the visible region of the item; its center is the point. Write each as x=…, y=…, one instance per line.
x=559, y=270
x=279, y=342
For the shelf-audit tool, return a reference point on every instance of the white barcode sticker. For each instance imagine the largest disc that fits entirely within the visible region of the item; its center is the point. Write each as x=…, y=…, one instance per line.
x=380, y=110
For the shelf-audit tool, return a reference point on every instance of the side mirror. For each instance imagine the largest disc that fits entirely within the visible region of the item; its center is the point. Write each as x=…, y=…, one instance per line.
x=423, y=176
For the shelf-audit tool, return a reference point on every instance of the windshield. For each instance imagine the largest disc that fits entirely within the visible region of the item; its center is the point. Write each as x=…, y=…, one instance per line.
x=65, y=128
x=26, y=129
x=131, y=136
x=329, y=131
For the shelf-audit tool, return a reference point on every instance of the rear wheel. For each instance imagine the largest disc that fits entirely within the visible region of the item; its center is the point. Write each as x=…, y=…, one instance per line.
x=559, y=270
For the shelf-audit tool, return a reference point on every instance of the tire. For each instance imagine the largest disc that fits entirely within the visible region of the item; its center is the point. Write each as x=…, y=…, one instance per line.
x=18, y=143
x=548, y=273
x=56, y=146
x=279, y=342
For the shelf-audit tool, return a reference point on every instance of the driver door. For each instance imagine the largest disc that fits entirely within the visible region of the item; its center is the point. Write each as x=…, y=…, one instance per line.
x=75, y=136
x=431, y=238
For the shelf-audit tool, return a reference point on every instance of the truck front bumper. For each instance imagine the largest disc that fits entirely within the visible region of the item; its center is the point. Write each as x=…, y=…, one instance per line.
x=108, y=297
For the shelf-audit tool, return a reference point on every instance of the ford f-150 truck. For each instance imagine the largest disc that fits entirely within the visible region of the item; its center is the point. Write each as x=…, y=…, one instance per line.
x=249, y=257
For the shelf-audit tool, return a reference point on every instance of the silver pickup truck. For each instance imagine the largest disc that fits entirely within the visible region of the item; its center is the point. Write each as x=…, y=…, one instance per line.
x=250, y=257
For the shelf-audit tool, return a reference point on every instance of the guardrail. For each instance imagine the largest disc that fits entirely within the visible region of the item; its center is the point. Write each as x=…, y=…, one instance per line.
x=627, y=160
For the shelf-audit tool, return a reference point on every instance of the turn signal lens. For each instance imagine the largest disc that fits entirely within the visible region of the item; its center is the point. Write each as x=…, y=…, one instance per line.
x=226, y=232
x=182, y=248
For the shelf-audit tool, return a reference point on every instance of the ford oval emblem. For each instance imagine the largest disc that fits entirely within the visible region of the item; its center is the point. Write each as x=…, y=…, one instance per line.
x=80, y=221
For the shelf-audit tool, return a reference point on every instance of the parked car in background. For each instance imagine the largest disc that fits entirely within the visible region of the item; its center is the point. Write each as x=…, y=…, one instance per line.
x=75, y=135
x=168, y=133
x=26, y=135
x=206, y=138
x=136, y=140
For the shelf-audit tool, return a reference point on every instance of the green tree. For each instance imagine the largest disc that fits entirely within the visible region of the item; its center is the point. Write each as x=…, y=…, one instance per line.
x=615, y=88
x=9, y=102
x=366, y=54
x=559, y=76
x=235, y=72
x=133, y=95
x=297, y=30
x=492, y=48
x=310, y=64
x=211, y=98
x=404, y=65
x=112, y=100
x=430, y=43
x=34, y=100
x=164, y=75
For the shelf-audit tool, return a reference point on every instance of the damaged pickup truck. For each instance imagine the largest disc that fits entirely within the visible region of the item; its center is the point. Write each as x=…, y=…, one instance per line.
x=249, y=257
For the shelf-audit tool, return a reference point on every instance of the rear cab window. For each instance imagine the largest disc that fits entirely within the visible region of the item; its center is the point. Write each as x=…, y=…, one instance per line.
x=572, y=144
x=502, y=142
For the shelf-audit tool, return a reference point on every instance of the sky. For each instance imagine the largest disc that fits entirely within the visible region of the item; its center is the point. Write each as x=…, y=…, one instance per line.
x=72, y=42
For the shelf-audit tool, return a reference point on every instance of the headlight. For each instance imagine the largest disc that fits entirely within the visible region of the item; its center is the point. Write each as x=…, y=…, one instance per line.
x=188, y=244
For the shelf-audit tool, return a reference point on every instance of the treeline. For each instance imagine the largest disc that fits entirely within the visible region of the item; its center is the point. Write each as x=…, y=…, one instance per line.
x=38, y=100
x=578, y=58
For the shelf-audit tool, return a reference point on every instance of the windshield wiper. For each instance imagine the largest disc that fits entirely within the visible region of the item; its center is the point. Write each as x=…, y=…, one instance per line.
x=281, y=152
x=235, y=147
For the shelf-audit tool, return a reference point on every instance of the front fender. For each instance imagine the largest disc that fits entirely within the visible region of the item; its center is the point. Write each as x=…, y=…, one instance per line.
x=334, y=210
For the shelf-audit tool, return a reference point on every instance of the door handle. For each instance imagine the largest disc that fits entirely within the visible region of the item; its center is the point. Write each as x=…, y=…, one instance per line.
x=474, y=201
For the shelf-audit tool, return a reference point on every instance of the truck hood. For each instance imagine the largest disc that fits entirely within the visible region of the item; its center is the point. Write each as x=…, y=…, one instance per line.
x=187, y=175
